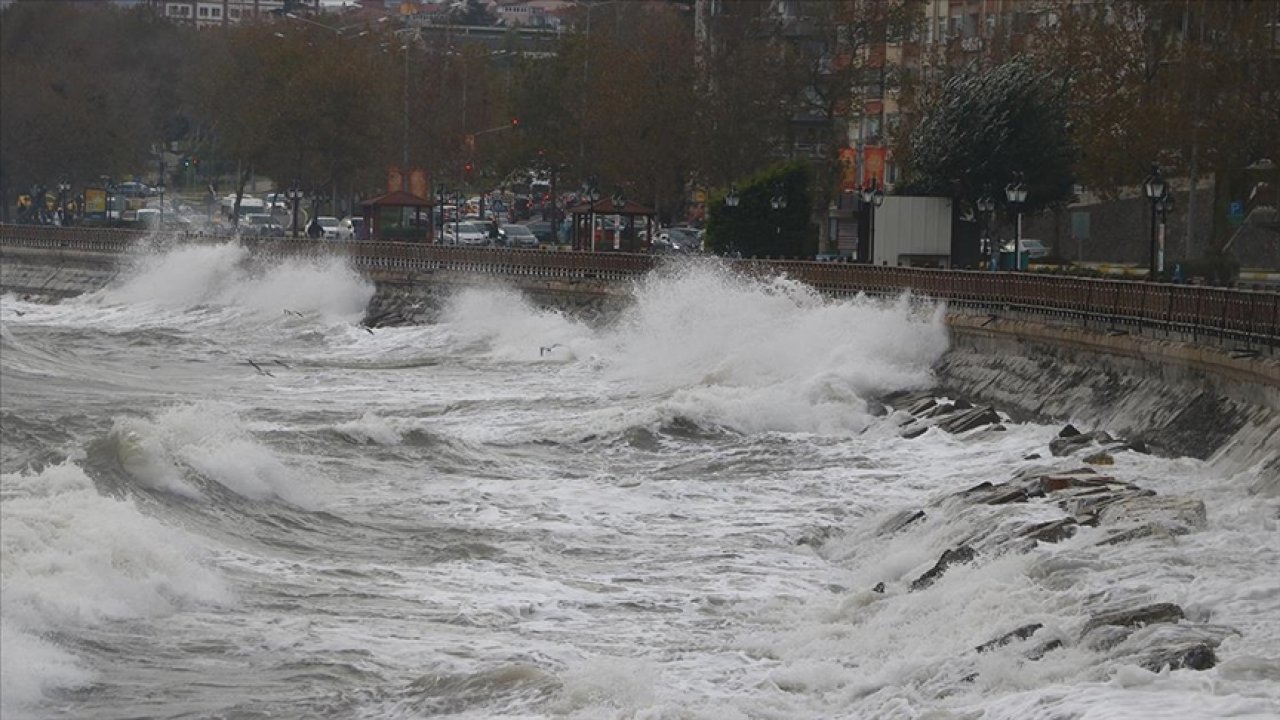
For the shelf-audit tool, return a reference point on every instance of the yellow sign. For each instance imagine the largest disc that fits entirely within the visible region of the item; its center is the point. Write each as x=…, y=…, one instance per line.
x=95, y=201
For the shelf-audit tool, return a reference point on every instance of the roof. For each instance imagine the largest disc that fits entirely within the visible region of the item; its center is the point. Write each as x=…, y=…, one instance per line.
x=604, y=206
x=398, y=198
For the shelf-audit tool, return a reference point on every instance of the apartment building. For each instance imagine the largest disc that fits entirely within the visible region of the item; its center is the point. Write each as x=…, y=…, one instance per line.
x=208, y=13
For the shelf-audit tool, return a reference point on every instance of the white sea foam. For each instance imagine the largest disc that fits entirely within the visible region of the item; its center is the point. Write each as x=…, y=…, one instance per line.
x=371, y=428
x=73, y=557
x=194, y=275
x=210, y=439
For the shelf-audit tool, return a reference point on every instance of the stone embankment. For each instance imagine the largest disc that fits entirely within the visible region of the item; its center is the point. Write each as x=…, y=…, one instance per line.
x=1059, y=500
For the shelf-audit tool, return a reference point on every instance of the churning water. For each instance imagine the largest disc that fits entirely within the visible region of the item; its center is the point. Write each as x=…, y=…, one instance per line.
x=508, y=512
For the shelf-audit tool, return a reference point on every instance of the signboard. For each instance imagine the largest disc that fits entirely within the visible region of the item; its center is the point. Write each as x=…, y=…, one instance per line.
x=848, y=169
x=95, y=204
x=873, y=165
x=1235, y=213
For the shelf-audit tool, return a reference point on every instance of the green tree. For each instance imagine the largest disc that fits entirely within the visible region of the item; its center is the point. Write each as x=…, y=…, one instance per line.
x=977, y=128
x=755, y=228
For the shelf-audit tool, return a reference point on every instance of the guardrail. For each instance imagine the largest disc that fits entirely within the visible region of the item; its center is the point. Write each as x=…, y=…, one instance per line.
x=1203, y=313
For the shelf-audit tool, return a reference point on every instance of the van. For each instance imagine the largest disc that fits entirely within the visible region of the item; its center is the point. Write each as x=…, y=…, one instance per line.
x=1034, y=249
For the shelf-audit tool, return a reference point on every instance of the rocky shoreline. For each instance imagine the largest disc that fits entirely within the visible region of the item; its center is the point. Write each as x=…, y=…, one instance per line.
x=1058, y=499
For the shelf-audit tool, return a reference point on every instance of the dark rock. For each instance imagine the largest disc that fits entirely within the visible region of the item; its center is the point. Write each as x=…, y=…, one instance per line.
x=1052, y=531
x=941, y=409
x=1195, y=656
x=1142, y=531
x=912, y=433
x=1066, y=445
x=963, y=404
x=922, y=406
x=899, y=520
x=1068, y=431
x=1032, y=456
x=1139, y=446
x=1021, y=633
x=1178, y=514
x=1145, y=615
x=1102, y=436
x=1044, y=649
x=879, y=588
x=969, y=419
x=998, y=428
x=954, y=556
x=1006, y=495
x=1101, y=458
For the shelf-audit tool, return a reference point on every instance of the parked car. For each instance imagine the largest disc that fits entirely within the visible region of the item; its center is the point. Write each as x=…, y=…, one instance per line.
x=261, y=225
x=329, y=224
x=1034, y=248
x=465, y=233
x=351, y=228
x=517, y=236
x=148, y=217
x=542, y=230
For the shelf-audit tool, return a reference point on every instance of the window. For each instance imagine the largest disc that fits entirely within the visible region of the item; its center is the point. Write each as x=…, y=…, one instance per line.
x=217, y=12
x=233, y=12
x=204, y=12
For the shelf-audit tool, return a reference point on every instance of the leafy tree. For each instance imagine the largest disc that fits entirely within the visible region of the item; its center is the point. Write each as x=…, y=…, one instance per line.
x=755, y=228
x=85, y=90
x=1190, y=85
x=977, y=128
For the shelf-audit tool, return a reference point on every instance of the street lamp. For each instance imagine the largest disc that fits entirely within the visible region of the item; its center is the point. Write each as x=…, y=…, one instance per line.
x=1156, y=190
x=294, y=193
x=64, y=187
x=732, y=199
x=986, y=206
x=872, y=197
x=160, y=187
x=591, y=193
x=778, y=203
x=1016, y=194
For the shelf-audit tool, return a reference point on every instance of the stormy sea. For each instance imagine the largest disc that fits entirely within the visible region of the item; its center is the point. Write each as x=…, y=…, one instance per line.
x=225, y=495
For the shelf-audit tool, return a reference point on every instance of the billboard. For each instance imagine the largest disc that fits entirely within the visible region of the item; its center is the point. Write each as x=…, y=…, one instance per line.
x=873, y=164
x=95, y=204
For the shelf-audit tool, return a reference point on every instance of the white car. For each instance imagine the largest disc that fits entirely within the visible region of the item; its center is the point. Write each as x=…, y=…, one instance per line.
x=329, y=225
x=351, y=228
x=465, y=233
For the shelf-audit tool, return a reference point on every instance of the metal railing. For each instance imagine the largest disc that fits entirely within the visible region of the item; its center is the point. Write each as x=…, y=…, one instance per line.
x=1201, y=313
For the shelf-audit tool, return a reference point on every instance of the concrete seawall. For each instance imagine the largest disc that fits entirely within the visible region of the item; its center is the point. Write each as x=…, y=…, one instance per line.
x=1180, y=398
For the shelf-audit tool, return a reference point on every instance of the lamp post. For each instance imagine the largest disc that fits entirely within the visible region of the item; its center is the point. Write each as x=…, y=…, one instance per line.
x=438, y=224
x=63, y=188
x=1156, y=190
x=986, y=206
x=294, y=193
x=1016, y=194
x=778, y=203
x=872, y=197
x=160, y=187
x=619, y=200
x=592, y=194
x=1164, y=206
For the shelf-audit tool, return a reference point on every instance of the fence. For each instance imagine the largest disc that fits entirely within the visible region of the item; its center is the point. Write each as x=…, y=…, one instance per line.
x=1201, y=313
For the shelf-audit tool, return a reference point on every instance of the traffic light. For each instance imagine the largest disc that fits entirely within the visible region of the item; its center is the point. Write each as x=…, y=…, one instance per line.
x=186, y=162
x=468, y=167
x=195, y=161
x=515, y=123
